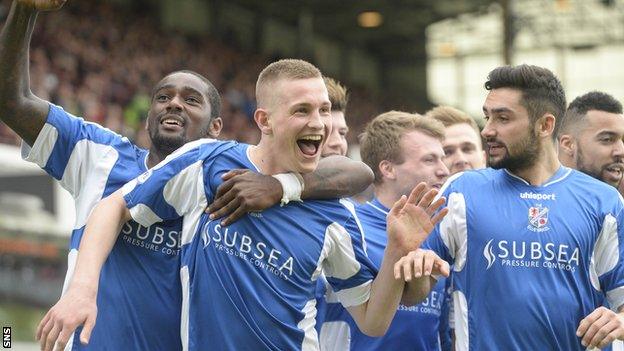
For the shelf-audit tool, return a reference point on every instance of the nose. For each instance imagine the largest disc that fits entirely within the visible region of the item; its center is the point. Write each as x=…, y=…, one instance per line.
x=175, y=103
x=618, y=149
x=442, y=171
x=488, y=132
x=316, y=122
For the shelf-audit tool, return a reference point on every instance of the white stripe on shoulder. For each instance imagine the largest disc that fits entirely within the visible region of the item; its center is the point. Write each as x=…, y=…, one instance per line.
x=453, y=230
x=86, y=174
x=606, y=251
x=185, y=192
x=43, y=146
x=356, y=295
x=448, y=182
x=351, y=207
x=144, y=215
x=338, y=256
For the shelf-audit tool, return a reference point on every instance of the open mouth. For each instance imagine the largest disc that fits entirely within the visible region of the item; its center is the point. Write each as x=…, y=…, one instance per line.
x=615, y=170
x=310, y=144
x=172, y=121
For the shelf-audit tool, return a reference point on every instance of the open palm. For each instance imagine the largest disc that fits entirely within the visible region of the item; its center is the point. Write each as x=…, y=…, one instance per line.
x=412, y=218
x=43, y=5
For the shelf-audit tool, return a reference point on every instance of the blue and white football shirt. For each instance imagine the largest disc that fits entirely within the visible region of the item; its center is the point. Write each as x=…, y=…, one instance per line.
x=413, y=327
x=529, y=261
x=250, y=285
x=139, y=294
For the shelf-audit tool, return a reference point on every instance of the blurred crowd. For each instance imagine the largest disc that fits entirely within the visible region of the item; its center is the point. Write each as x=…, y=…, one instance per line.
x=99, y=61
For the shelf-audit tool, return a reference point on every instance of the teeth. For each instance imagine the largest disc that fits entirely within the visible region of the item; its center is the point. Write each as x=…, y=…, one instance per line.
x=172, y=121
x=311, y=137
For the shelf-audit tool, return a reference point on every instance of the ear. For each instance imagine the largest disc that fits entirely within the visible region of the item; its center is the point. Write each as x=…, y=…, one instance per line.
x=567, y=145
x=261, y=116
x=216, y=124
x=386, y=168
x=545, y=126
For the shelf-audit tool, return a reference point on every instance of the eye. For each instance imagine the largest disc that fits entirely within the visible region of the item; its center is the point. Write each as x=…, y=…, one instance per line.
x=192, y=100
x=162, y=98
x=325, y=110
x=469, y=149
x=486, y=118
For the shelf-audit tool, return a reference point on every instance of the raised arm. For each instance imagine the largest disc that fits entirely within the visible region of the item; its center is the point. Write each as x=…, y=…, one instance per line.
x=77, y=306
x=409, y=222
x=245, y=191
x=20, y=109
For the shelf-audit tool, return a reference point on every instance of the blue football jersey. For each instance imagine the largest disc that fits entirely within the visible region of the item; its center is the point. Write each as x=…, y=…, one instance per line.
x=530, y=262
x=140, y=279
x=413, y=327
x=250, y=285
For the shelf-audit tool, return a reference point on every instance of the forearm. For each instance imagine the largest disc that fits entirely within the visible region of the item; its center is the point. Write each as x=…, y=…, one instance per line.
x=98, y=239
x=19, y=108
x=336, y=176
x=417, y=290
x=374, y=317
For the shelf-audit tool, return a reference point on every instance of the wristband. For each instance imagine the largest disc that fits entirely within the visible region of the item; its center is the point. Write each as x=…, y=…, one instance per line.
x=292, y=187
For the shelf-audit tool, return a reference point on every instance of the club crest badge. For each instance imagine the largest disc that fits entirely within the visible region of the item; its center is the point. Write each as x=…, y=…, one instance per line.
x=538, y=218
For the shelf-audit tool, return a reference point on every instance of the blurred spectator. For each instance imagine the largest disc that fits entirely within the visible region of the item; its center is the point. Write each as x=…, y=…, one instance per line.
x=103, y=82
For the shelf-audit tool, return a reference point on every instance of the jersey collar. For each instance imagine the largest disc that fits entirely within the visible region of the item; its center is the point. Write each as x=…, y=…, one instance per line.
x=562, y=173
x=378, y=206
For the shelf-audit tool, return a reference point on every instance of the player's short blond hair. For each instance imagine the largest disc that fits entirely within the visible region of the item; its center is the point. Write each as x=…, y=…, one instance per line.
x=450, y=116
x=381, y=139
x=337, y=94
x=290, y=69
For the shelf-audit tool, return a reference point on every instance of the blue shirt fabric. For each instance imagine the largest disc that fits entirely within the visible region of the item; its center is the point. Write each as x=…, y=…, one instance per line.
x=529, y=261
x=140, y=279
x=250, y=285
x=413, y=327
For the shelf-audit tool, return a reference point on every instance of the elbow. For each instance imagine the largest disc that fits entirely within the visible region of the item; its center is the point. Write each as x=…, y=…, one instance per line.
x=365, y=176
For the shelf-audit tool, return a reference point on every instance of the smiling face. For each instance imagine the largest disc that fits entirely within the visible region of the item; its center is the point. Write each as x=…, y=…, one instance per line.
x=180, y=112
x=510, y=139
x=599, y=146
x=298, y=123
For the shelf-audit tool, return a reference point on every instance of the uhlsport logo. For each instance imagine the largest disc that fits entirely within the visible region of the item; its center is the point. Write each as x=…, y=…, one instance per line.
x=511, y=253
x=538, y=218
x=257, y=253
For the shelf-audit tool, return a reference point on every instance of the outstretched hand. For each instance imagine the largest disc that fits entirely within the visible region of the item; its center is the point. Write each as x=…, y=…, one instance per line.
x=244, y=191
x=43, y=5
x=412, y=218
x=75, y=308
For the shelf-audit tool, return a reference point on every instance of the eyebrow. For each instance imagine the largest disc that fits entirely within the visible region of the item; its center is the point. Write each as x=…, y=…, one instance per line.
x=498, y=110
x=184, y=88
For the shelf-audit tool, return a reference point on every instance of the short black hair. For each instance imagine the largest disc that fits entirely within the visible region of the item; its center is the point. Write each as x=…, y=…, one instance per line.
x=542, y=91
x=214, y=99
x=594, y=100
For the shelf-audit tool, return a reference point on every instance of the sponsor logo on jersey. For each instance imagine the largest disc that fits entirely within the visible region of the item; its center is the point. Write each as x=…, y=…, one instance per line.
x=154, y=238
x=257, y=253
x=533, y=254
x=538, y=218
x=535, y=196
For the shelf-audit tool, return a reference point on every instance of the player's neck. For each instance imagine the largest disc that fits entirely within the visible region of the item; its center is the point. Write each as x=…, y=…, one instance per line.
x=266, y=161
x=154, y=157
x=385, y=195
x=543, y=169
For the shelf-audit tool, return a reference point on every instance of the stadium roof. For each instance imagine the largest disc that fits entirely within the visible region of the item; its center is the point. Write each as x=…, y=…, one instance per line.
x=401, y=35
